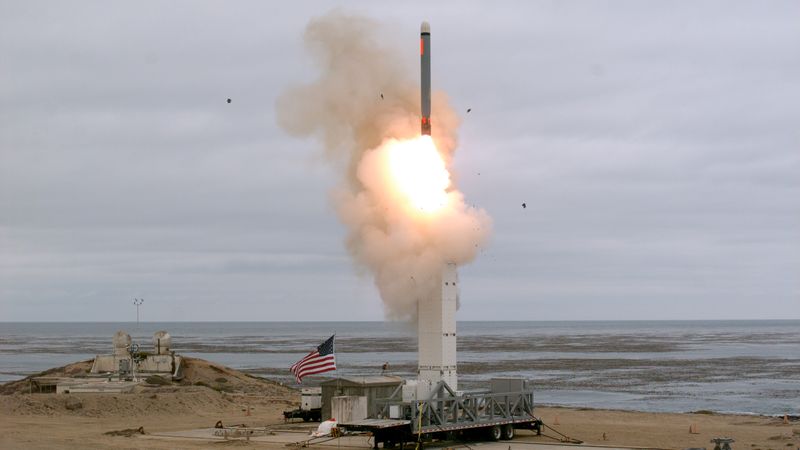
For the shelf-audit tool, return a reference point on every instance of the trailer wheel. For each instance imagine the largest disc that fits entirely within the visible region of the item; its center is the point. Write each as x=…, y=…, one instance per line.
x=306, y=418
x=508, y=432
x=495, y=433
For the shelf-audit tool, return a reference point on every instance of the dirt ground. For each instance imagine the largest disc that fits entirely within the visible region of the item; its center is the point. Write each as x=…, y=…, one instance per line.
x=664, y=430
x=212, y=393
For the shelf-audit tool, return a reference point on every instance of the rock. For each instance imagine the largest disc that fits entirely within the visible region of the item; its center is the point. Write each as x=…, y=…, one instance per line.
x=73, y=403
x=128, y=432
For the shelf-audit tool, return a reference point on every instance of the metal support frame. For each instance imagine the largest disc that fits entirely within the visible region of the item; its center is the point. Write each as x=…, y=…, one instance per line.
x=443, y=410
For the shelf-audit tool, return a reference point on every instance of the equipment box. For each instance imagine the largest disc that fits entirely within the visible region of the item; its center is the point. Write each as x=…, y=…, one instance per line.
x=503, y=385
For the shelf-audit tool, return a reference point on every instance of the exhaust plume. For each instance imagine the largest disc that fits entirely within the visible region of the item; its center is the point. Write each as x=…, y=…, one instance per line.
x=404, y=216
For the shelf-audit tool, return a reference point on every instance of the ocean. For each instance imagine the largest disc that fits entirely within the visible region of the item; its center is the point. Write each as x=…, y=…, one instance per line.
x=673, y=366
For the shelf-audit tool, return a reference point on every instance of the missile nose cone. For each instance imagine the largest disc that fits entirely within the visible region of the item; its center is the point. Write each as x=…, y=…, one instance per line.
x=425, y=27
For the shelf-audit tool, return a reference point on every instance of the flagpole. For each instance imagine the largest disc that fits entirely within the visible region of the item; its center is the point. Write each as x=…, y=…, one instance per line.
x=338, y=375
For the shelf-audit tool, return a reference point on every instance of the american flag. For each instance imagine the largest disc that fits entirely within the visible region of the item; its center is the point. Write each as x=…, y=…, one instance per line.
x=320, y=360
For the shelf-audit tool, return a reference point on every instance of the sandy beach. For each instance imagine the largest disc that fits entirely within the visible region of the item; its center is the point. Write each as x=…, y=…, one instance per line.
x=97, y=421
x=63, y=429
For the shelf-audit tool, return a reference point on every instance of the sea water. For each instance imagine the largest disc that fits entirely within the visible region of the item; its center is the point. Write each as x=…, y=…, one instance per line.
x=677, y=366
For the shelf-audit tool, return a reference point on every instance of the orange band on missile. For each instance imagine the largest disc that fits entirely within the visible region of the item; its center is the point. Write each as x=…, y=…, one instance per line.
x=421, y=47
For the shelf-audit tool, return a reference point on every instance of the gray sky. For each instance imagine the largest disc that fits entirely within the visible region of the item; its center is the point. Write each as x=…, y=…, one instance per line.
x=656, y=145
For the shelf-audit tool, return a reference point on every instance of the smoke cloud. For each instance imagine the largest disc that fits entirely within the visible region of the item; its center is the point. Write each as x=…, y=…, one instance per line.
x=401, y=247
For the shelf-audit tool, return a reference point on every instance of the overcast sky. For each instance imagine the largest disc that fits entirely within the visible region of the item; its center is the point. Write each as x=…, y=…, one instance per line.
x=655, y=144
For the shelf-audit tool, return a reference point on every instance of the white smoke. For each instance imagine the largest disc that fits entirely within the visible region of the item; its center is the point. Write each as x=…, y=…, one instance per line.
x=402, y=249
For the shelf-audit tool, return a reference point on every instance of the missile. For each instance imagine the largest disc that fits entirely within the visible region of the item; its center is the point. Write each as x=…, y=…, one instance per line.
x=425, y=78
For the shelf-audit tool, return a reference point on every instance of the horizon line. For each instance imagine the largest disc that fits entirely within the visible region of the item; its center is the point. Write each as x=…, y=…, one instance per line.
x=400, y=321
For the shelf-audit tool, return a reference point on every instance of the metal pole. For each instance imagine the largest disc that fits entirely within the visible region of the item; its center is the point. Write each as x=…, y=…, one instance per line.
x=137, y=302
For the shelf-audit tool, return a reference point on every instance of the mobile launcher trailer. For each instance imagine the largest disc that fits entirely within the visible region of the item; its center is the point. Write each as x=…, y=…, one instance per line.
x=445, y=415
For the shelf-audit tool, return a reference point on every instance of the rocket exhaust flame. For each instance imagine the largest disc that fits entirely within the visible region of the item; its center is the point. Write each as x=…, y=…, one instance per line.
x=403, y=214
x=418, y=172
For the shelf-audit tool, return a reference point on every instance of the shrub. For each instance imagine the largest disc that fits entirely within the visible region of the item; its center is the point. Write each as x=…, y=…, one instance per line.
x=155, y=379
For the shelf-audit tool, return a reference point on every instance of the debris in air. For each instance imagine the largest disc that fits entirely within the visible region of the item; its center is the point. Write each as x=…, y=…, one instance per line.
x=381, y=95
x=524, y=206
x=229, y=100
x=468, y=110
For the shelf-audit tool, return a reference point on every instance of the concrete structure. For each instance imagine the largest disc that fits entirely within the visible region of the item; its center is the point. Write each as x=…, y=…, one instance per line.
x=370, y=387
x=128, y=359
x=70, y=385
x=73, y=386
x=122, y=342
x=120, y=371
x=436, y=331
x=162, y=342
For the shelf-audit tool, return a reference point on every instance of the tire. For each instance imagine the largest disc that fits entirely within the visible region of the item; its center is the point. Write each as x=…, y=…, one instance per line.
x=508, y=432
x=495, y=433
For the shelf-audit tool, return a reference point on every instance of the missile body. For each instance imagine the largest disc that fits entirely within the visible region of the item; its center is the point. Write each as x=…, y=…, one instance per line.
x=425, y=78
